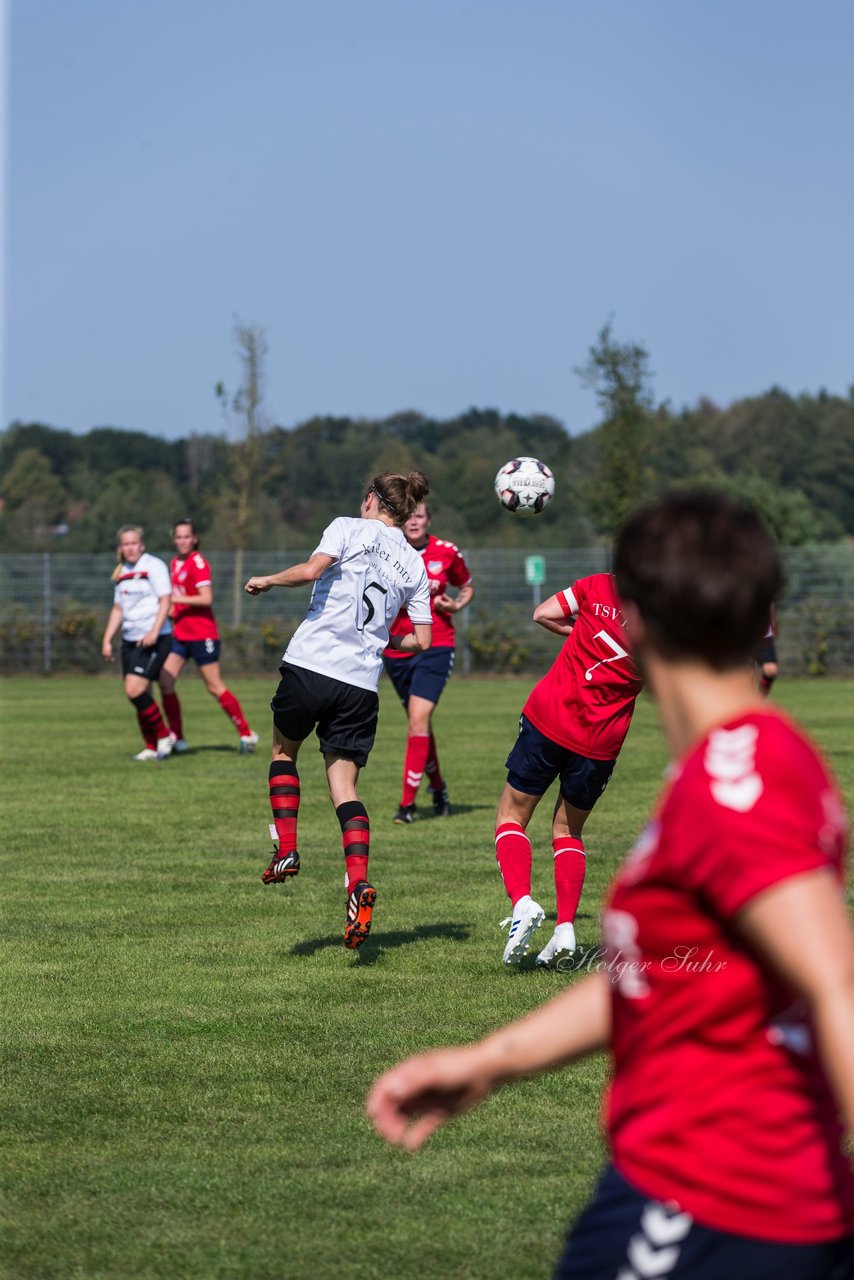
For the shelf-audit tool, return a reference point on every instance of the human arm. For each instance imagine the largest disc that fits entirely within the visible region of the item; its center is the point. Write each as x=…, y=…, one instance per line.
x=413, y=1099
x=416, y=641
x=203, y=596
x=299, y=575
x=557, y=613
x=800, y=926
x=153, y=635
x=453, y=604
x=114, y=621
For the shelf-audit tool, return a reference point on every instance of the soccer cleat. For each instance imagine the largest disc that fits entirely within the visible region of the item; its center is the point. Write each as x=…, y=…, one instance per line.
x=405, y=814
x=281, y=868
x=360, y=906
x=164, y=748
x=441, y=803
x=147, y=753
x=560, y=945
x=179, y=745
x=527, y=916
x=248, y=743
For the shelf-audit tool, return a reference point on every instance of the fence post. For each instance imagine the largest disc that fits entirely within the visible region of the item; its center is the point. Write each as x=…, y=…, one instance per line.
x=46, y=616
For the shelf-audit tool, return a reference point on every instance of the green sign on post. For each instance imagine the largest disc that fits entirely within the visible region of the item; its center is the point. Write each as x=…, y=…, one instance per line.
x=535, y=570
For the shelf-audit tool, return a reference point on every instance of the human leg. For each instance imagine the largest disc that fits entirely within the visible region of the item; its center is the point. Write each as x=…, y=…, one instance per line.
x=284, y=790
x=169, y=673
x=418, y=712
x=342, y=775
x=210, y=673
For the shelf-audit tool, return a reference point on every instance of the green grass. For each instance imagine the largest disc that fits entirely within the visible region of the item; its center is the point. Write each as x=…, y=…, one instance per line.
x=186, y=1053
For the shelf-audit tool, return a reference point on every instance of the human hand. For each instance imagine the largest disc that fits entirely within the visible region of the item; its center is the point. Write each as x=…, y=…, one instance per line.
x=255, y=586
x=409, y=1103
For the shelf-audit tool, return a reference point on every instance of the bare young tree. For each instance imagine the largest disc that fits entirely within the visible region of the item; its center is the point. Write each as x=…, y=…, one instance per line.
x=244, y=412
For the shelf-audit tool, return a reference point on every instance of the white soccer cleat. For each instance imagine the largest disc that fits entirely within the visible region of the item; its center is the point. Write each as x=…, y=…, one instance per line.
x=560, y=945
x=248, y=743
x=527, y=916
x=147, y=753
x=164, y=748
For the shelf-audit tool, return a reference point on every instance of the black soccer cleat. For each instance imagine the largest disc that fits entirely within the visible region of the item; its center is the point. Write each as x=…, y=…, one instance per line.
x=405, y=814
x=360, y=907
x=441, y=803
x=281, y=868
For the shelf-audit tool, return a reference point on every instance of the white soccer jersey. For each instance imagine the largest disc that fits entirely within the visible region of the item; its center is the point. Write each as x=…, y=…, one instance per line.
x=138, y=592
x=354, y=602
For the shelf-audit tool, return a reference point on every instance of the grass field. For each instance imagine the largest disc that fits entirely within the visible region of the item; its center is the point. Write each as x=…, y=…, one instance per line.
x=186, y=1052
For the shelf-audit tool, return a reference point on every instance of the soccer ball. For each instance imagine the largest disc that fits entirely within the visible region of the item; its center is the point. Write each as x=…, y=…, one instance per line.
x=525, y=486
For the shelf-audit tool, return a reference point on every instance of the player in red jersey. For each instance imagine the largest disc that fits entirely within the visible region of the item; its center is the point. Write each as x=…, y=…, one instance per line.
x=419, y=678
x=195, y=635
x=726, y=989
x=572, y=728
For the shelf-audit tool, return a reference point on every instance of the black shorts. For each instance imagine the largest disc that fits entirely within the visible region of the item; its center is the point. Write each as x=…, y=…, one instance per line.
x=345, y=716
x=145, y=662
x=536, y=761
x=621, y=1227
x=424, y=675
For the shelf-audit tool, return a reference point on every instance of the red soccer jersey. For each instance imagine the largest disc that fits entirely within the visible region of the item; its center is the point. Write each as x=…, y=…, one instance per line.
x=192, y=621
x=585, y=702
x=445, y=565
x=718, y=1100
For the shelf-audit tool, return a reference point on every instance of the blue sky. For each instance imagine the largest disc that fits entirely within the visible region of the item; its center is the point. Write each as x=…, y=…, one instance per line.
x=427, y=204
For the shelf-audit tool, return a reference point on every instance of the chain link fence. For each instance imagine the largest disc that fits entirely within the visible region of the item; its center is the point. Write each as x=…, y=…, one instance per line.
x=54, y=607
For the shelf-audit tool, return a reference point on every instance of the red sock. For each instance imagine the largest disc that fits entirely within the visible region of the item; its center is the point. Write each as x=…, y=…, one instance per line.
x=284, y=801
x=150, y=721
x=417, y=746
x=570, y=865
x=356, y=839
x=435, y=781
x=172, y=707
x=231, y=707
x=513, y=854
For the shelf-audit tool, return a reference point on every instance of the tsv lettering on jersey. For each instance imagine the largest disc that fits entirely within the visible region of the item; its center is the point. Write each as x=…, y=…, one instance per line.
x=730, y=762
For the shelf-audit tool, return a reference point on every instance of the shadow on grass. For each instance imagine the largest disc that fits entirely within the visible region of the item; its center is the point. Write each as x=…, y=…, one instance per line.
x=197, y=751
x=369, y=952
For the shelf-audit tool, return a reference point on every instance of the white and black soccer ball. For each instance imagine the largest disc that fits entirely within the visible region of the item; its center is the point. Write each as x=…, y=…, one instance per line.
x=525, y=486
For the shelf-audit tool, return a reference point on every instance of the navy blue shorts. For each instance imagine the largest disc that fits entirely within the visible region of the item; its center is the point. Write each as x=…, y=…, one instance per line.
x=424, y=675
x=536, y=761
x=201, y=651
x=623, y=1233
x=345, y=716
x=146, y=663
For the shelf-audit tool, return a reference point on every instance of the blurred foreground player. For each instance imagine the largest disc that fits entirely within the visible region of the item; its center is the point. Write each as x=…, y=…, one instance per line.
x=571, y=728
x=728, y=998
x=419, y=678
x=364, y=572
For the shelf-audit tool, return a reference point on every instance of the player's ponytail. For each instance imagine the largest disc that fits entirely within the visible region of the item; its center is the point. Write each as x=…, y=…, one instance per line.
x=399, y=495
x=126, y=528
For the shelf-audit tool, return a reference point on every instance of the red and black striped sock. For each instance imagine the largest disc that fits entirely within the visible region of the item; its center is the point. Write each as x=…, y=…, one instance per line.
x=284, y=801
x=356, y=839
x=150, y=720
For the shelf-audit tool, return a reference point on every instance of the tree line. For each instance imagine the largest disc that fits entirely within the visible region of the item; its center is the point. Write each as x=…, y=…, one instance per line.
x=265, y=486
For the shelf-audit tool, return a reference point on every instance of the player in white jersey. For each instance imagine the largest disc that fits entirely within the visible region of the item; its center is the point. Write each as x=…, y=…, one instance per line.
x=141, y=602
x=364, y=572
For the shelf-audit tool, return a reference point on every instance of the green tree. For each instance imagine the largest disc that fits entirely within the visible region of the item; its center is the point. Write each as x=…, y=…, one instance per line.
x=619, y=375
x=35, y=501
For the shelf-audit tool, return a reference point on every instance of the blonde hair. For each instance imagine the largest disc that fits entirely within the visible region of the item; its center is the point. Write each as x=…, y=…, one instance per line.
x=126, y=528
x=398, y=494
